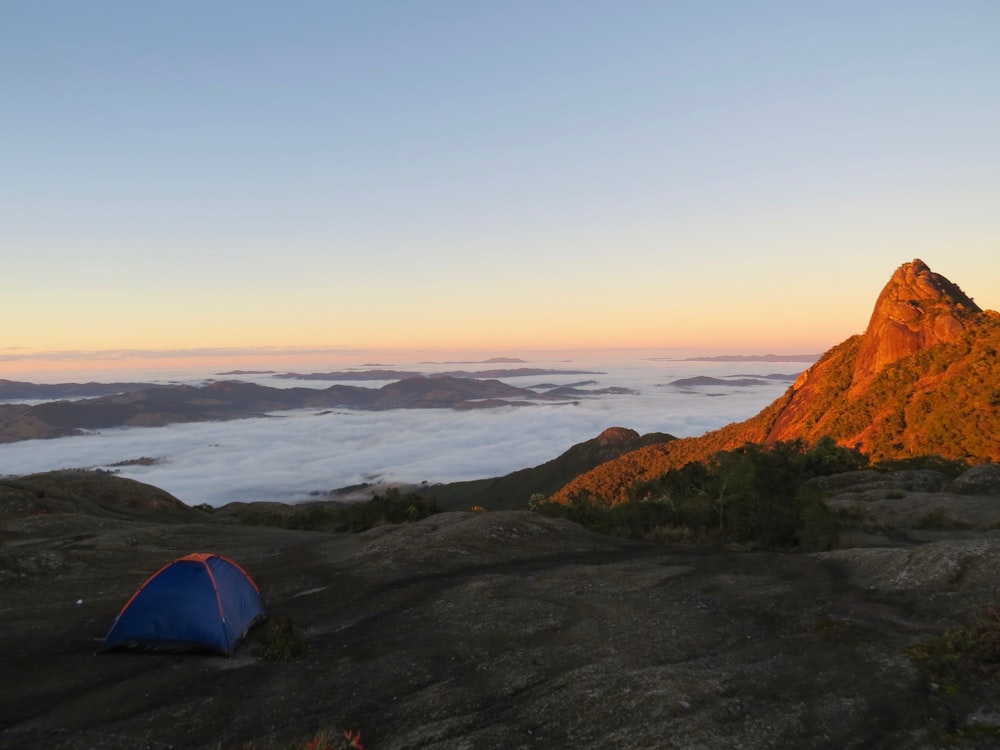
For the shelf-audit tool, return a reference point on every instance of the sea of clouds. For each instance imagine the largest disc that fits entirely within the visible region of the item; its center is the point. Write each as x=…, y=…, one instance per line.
x=288, y=455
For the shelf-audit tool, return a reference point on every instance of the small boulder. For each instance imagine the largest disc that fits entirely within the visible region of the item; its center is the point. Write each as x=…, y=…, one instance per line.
x=979, y=480
x=868, y=480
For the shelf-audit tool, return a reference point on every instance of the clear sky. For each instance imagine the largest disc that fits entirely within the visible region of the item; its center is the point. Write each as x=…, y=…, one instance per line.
x=498, y=176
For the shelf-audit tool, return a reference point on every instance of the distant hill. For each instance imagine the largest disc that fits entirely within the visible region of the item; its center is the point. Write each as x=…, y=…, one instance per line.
x=735, y=382
x=513, y=491
x=516, y=372
x=922, y=379
x=11, y=390
x=92, y=493
x=753, y=358
x=230, y=399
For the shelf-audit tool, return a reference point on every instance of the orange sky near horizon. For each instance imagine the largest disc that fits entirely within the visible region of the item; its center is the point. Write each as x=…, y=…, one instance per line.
x=788, y=317
x=793, y=320
x=136, y=363
x=498, y=178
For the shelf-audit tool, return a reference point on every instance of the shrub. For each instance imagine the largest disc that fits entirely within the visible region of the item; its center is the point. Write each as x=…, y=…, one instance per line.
x=392, y=507
x=253, y=517
x=667, y=534
x=939, y=519
x=947, y=466
x=749, y=496
x=312, y=517
x=818, y=529
x=961, y=653
x=856, y=516
x=282, y=640
x=536, y=500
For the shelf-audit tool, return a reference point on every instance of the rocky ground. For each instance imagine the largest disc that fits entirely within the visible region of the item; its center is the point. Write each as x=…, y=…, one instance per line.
x=494, y=630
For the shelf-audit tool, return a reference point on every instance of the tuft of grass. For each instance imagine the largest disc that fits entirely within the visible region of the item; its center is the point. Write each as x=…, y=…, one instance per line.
x=282, y=640
x=979, y=735
x=669, y=534
x=962, y=653
x=856, y=516
x=940, y=519
x=829, y=627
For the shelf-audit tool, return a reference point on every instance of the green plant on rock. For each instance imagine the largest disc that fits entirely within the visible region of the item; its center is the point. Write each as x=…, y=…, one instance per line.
x=961, y=654
x=940, y=519
x=751, y=496
x=948, y=466
x=388, y=508
x=282, y=640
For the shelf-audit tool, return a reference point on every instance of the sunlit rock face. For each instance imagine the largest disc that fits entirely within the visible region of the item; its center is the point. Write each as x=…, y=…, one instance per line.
x=916, y=309
x=616, y=436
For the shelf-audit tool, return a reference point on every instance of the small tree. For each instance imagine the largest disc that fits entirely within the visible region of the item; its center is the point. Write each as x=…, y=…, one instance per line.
x=826, y=457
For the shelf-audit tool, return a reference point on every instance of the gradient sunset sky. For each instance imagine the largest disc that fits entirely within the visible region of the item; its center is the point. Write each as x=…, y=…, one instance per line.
x=489, y=176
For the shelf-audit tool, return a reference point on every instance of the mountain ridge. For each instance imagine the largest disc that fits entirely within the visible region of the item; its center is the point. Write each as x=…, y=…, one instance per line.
x=513, y=491
x=233, y=399
x=919, y=381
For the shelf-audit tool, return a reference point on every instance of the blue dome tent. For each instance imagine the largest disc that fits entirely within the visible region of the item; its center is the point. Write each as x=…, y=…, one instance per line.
x=200, y=602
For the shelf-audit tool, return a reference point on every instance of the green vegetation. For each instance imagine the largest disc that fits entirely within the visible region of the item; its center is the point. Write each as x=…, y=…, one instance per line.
x=943, y=399
x=508, y=492
x=282, y=640
x=941, y=520
x=961, y=655
x=950, y=467
x=389, y=508
x=750, y=496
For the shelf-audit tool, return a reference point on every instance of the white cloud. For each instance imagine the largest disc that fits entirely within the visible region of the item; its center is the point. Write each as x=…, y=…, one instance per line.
x=286, y=456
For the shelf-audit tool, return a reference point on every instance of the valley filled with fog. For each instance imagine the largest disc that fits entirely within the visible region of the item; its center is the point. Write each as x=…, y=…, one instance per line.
x=289, y=456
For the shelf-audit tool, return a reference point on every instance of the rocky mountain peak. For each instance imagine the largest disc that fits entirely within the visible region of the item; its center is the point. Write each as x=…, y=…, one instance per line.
x=946, y=404
x=917, y=308
x=616, y=436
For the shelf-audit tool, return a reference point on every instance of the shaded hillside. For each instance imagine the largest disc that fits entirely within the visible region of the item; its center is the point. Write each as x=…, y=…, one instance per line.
x=513, y=491
x=941, y=398
x=91, y=493
x=612, y=481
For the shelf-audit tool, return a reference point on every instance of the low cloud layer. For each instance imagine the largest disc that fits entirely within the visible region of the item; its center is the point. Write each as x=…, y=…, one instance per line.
x=286, y=456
